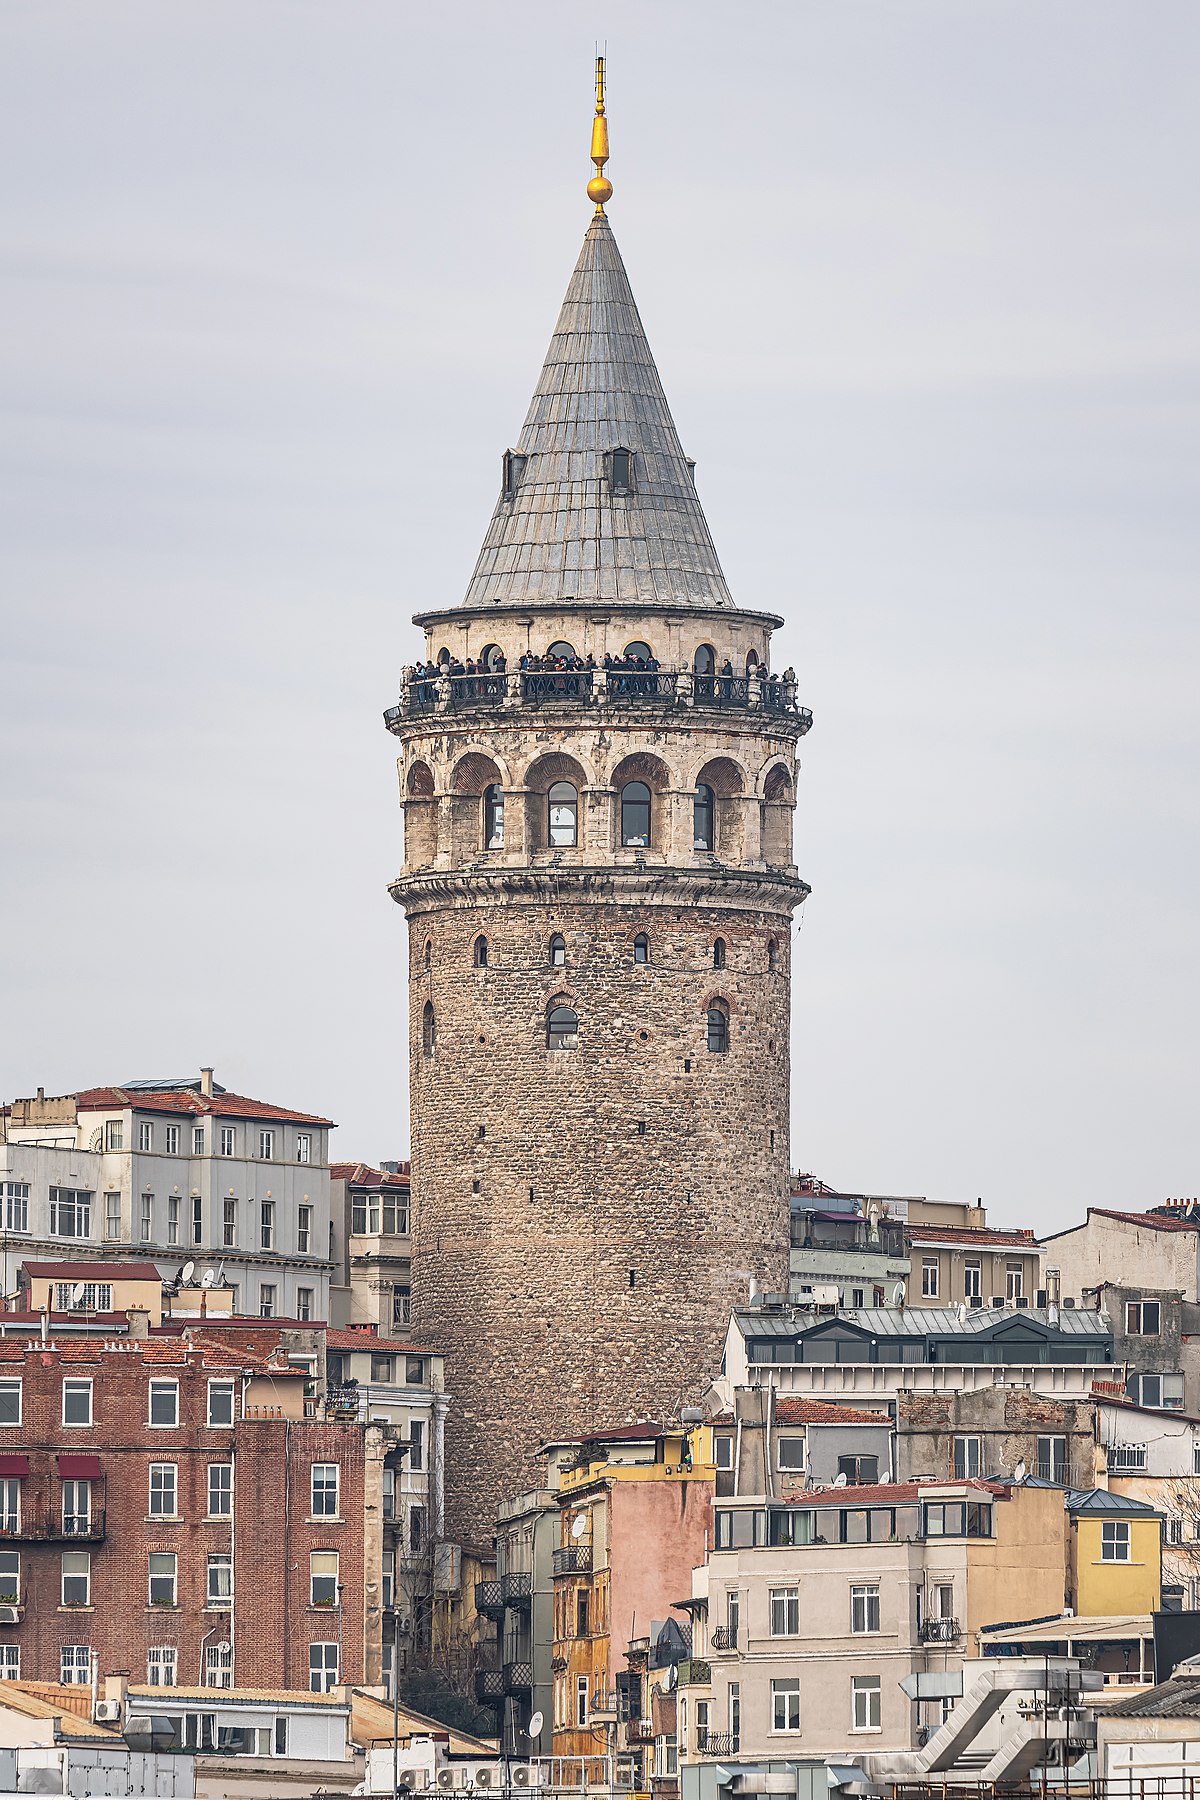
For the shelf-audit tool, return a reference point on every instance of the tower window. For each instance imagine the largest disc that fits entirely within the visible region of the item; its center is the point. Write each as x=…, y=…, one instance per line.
x=564, y=815
x=481, y=953
x=620, y=471
x=772, y=954
x=562, y=651
x=641, y=948
x=558, y=952
x=718, y=1028
x=635, y=815
x=562, y=1029
x=719, y=953
x=704, y=817
x=514, y=468
x=705, y=661
x=428, y=1029
x=428, y=953
x=640, y=652
x=493, y=818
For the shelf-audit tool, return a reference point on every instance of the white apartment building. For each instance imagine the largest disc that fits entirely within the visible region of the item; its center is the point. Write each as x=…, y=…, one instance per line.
x=176, y=1172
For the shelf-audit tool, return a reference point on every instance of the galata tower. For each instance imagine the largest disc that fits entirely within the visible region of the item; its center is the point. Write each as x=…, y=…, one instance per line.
x=598, y=775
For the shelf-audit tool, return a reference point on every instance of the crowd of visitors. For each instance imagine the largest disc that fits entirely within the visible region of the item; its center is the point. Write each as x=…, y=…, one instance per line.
x=562, y=672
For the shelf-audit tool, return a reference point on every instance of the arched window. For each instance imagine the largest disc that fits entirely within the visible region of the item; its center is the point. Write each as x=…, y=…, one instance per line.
x=562, y=649
x=772, y=954
x=752, y=662
x=429, y=953
x=428, y=1029
x=562, y=1029
x=635, y=814
x=718, y=1028
x=704, y=818
x=443, y=658
x=641, y=948
x=558, y=952
x=493, y=817
x=705, y=660
x=640, y=652
x=563, y=801
x=481, y=953
x=491, y=657
x=718, y=953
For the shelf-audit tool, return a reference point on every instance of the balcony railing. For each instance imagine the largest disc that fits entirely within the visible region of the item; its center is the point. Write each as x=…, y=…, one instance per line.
x=722, y=1637
x=518, y=1677
x=516, y=1590
x=573, y=1559
x=693, y=1672
x=489, y=1599
x=575, y=687
x=489, y=1686
x=940, y=1631
x=718, y=1743
x=53, y=1528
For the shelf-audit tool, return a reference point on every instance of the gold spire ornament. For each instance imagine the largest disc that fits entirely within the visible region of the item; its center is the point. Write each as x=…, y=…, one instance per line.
x=599, y=188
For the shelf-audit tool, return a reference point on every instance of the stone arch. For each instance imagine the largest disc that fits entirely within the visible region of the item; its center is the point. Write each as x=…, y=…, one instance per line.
x=470, y=779
x=641, y=766
x=540, y=777
x=728, y=781
x=420, y=817
x=778, y=802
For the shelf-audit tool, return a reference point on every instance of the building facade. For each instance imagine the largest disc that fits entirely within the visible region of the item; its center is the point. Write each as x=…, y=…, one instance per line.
x=372, y=1247
x=597, y=774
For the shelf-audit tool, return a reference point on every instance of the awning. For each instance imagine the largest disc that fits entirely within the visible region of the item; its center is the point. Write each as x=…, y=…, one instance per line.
x=14, y=1465
x=79, y=1468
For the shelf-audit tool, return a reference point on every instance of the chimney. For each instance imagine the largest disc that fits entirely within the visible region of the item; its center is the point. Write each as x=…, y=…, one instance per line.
x=41, y=1093
x=206, y=1083
x=139, y=1321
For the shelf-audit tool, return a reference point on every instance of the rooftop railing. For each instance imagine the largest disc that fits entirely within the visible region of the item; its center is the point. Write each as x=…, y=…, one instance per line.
x=583, y=687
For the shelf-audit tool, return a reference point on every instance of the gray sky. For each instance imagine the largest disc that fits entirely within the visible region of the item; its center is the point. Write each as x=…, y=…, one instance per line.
x=921, y=279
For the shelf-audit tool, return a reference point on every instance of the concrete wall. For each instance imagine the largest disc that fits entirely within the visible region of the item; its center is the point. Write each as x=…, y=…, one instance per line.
x=1092, y=1252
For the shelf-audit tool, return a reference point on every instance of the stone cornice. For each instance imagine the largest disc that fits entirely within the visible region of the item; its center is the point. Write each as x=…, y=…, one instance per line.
x=736, y=890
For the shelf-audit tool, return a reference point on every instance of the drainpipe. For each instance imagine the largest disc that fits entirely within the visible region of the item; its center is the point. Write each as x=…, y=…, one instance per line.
x=441, y=1404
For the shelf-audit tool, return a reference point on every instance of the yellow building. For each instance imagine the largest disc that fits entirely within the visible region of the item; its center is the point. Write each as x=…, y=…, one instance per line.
x=1115, y=1554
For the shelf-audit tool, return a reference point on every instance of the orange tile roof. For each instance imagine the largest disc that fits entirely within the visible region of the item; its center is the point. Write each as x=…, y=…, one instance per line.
x=184, y=1100
x=363, y=1175
x=796, y=1409
x=922, y=1232
x=888, y=1493
x=349, y=1339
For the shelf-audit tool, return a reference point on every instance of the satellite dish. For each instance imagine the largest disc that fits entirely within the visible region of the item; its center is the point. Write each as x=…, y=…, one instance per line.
x=898, y=1294
x=187, y=1271
x=670, y=1678
x=579, y=1525
x=209, y=1278
x=534, y=1727
x=841, y=1480
x=961, y=1310
x=77, y=1294
x=223, y=1648
x=1020, y=1472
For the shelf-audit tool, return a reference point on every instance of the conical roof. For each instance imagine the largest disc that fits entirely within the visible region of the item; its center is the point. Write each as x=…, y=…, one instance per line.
x=563, y=533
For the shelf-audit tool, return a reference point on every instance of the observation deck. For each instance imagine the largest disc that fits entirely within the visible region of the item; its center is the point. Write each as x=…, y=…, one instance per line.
x=422, y=695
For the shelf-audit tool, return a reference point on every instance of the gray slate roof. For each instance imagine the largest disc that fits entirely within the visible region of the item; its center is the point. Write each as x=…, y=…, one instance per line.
x=922, y=1321
x=1174, y=1699
x=1097, y=1502
x=564, y=535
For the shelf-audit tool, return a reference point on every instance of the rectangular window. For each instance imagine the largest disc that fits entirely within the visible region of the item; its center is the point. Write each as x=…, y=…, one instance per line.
x=790, y=1451
x=304, y=1230
x=322, y=1667
x=164, y=1491
x=304, y=1303
x=162, y=1577
x=929, y=1277
x=735, y=1716
x=218, y=1665
x=267, y=1225
x=954, y=1519
x=416, y=1440
x=229, y=1211
x=10, y=1505
x=401, y=1305
x=112, y=1217
x=785, y=1612
x=416, y=1529
x=220, y=1402
x=10, y=1402
x=1196, y=1456
x=145, y=1135
x=75, y=1665
x=414, y=1371
x=197, y=1140
x=114, y=1134
x=197, y=1219
x=162, y=1662
x=1051, y=1459
x=1125, y=1458
x=10, y=1662
x=173, y=1219
x=220, y=1579
x=172, y=1140
x=364, y=1214
x=1014, y=1280
x=323, y=1577
x=785, y=1703
x=76, y=1508
x=381, y=1368
x=16, y=1208
x=10, y=1577
x=266, y=1299
x=303, y=1146
x=723, y=1451
x=77, y=1402
x=867, y=1702
x=1114, y=1540
x=164, y=1403
x=220, y=1490
x=147, y=1222
x=389, y=1578
x=266, y=1146
x=968, y=1457
x=325, y=1490
x=1142, y=1318
x=70, y=1213
x=76, y=1577
x=83, y=1296
x=227, y=1140
x=973, y=1278
x=581, y=1700
x=864, y=1608
x=389, y=1493
x=395, y=1217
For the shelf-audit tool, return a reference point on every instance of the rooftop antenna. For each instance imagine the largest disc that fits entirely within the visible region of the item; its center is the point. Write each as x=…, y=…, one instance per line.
x=599, y=188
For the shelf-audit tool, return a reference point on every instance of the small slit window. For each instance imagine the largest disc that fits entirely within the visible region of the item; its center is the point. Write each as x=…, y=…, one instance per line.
x=772, y=955
x=718, y=1028
x=635, y=815
x=563, y=803
x=428, y=953
x=514, y=469
x=641, y=948
x=719, y=953
x=704, y=818
x=620, y=471
x=493, y=818
x=562, y=1029
x=558, y=952
x=481, y=953
x=428, y=1029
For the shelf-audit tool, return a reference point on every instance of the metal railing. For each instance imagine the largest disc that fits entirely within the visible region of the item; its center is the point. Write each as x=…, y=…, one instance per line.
x=573, y=1559
x=538, y=687
x=489, y=1599
x=53, y=1528
x=518, y=1677
x=489, y=1685
x=693, y=1671
x=722, y=1637
x=516, y=1589
x=718, y=1743
x=940, y=1631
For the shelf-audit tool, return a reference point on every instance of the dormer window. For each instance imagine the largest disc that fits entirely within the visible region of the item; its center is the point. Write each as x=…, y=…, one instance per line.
x=514, y=469
x=620, y=471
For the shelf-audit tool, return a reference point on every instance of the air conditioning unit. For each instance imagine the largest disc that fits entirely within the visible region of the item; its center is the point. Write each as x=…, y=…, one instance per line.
x=997, y=1299
x=10, y=1615
x=1021, y=1300
x=107, y=1710
x=522, y=1776
x=974, y=1303
x=446, y=1780
x=485, y=1777
x=1069, y=1302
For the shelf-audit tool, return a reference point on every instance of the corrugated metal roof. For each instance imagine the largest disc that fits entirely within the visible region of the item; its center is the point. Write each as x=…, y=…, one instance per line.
x=923, y=1321
x=1178, y=1698
x=1049, y=1631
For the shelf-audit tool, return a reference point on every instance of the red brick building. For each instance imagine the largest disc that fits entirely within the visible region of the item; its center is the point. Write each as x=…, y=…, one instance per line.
x=167, y=1505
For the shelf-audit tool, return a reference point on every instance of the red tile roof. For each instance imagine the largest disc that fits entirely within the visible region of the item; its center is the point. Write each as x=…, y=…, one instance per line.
x=1155, y=1221
x=888, y=1493
x=796, y=1409
x=367, y=1340
x=363, y=1175
x=185, y=1100
x=151, y=1352
x=92, y=1271
x=922, y=1232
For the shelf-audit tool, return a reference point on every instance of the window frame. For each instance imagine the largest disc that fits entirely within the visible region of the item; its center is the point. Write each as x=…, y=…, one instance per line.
x=81, y=1387
x=704, y=817
x=717, y=1032
x=218, y=1564
x=634, y=812
x=162, y=1488
x=783, y=1611
x=868, y=1688
x=160, y=1657
x=227, y=1141
x=167, y=1573
x=785, y=1717
x=220, y=1489
x=562, y=833
x=220, y=1385
x=11, y=1386
x=561, y=1037
x=166, y=1387
x=865, y=1604
x=81, y=1573
x=1116, y=1535
x=324, y=1490
x=322, y=1576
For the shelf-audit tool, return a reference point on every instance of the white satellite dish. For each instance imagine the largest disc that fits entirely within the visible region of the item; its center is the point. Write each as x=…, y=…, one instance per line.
x=961, y=1310
x=898, y=1294
x=670, y=1678
x=187, y=1271
x=1020, y=1472
x=534, y=1727
x=209, y=1278
x=223, y=1648
x=579, y=1525
x=841, y=1480
x=77, y=1294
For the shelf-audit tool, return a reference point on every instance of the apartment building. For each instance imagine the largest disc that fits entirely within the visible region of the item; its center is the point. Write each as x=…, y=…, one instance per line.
x=972, y=1265
x=1155, y=1249
x=138, y=1476
x=519, y=1600
x=372, y=1246
x=846, y=1249
x=782, y=1445
x=998, y=1434
x=1154, y=1457
x=179, y=1172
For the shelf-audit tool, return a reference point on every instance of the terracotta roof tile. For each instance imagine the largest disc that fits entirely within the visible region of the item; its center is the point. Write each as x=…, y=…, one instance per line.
x=923, y=1233
x=363, y=1175
x=888, y=1493
x=367, y=1340
x=1153, y=1221
x=797, y=1409
x=184, y=1100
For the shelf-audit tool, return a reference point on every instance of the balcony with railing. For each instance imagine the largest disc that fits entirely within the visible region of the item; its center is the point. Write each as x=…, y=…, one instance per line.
x=45, y=1526
x=718, y=1743
x=489, y=1686
x=693, y=1671
x=940, y=1631
x=573, y=1559
x=518, y=1677
x=489, y=1599
x=488, y=690
x=516, y=1590
x=722, y=1637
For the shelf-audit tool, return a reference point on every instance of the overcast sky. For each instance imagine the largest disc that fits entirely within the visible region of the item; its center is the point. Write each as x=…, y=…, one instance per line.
x=921, y=280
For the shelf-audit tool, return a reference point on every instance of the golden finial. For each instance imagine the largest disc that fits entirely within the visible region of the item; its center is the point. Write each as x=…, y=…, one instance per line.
x=599, y=187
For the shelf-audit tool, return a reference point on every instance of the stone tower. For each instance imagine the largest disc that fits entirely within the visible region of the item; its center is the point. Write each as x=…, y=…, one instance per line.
x=599, y=886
